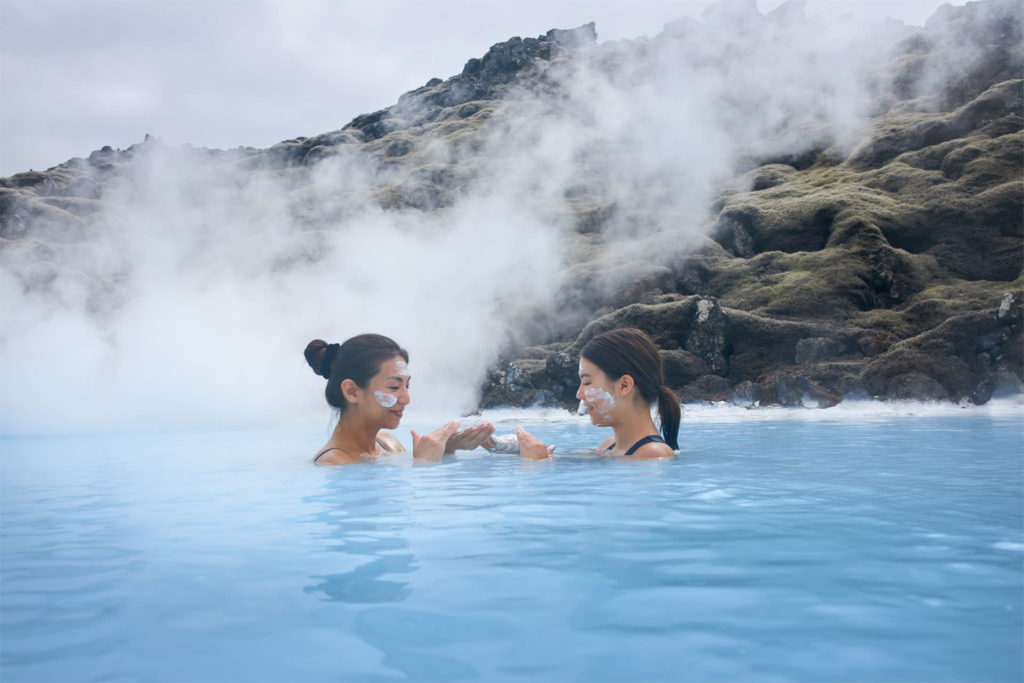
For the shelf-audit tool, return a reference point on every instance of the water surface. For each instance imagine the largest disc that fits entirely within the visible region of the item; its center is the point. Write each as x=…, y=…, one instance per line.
x=770, y=549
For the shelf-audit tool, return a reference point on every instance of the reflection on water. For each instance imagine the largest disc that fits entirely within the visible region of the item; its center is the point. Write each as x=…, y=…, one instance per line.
x=366, y=530
x=367, y=535
x=364, y=583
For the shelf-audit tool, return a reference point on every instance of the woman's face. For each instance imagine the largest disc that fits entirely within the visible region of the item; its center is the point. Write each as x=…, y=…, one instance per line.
x=388, y=391
x=597, y=393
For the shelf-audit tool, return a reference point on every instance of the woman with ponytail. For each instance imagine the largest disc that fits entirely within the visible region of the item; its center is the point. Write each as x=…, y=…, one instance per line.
x=621, y=377
x=368, y=382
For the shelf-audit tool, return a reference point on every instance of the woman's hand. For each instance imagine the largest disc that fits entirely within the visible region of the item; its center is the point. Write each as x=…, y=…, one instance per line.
x=531, y=447
x=432, y=446
x=469, y=438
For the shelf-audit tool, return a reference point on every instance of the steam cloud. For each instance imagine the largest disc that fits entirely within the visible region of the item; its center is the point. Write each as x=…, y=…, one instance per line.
x=189, y=298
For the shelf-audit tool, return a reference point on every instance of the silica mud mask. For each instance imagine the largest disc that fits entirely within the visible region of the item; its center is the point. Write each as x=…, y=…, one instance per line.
x=505, y=443
x=600, y=400
x=385, y=399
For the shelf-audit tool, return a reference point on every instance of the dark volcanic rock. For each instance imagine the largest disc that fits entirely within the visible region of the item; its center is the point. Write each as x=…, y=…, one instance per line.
x=481, y=79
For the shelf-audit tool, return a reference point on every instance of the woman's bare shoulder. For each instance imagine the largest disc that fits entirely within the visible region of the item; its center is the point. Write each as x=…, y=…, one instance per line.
x=655, y=450
x=391, y=442
x=607, y=443
x=333, y=456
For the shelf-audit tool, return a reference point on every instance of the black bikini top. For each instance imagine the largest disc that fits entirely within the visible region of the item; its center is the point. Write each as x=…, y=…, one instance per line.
x=328, y=450
x=653, y=438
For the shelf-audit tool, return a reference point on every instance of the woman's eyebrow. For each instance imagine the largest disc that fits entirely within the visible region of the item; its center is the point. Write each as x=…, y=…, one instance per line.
x=398, y=378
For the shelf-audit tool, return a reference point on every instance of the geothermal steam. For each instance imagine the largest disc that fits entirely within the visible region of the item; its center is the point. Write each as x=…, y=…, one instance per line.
x=189, y=298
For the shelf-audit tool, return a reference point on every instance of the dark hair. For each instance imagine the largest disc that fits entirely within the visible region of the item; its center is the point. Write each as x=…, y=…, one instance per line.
x=357, y=359
x=629, y=351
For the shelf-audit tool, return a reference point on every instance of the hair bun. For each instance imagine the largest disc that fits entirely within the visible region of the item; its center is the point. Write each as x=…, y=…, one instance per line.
x=318, y=358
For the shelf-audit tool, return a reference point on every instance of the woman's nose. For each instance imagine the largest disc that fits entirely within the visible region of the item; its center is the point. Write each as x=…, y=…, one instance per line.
x=579, y=393
x=404, y=397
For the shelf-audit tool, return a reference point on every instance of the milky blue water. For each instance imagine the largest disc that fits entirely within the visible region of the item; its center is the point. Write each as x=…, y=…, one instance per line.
x=781, y=549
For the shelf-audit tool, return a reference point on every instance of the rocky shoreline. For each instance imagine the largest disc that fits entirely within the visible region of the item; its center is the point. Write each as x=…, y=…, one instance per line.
x=891, y=270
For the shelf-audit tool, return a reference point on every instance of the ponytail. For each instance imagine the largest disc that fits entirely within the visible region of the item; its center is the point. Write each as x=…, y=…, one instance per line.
x=669, y=414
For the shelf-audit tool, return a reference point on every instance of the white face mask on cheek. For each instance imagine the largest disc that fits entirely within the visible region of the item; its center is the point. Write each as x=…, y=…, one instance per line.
x=600, y=400
x=385, y=399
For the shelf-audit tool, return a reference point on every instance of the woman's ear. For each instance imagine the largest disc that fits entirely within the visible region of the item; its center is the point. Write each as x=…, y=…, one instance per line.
x=625, y=385
x=350, y=390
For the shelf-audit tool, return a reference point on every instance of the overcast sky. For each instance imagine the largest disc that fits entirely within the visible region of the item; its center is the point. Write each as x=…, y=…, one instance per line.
x=76, y=75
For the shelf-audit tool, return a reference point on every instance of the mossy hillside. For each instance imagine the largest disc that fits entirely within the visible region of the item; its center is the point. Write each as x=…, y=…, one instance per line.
x=898, y=281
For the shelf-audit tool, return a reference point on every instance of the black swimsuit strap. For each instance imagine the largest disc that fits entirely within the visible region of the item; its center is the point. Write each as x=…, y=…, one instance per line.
x=653, y=438
x=327, y=450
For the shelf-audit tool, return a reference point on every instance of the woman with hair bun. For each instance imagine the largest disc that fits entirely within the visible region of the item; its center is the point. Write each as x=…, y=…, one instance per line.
x=368, y=382
x=621, y=377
